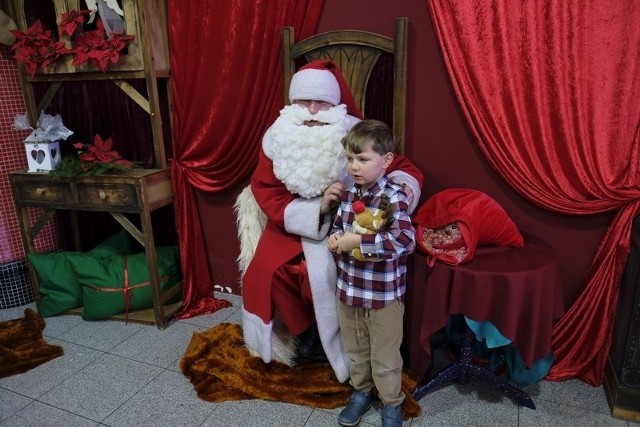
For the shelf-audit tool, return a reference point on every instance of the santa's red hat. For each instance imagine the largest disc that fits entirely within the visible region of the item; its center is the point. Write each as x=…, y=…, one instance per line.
x=321, y=80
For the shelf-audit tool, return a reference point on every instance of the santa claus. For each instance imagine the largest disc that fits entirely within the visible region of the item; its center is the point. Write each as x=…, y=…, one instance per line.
x=289, y=275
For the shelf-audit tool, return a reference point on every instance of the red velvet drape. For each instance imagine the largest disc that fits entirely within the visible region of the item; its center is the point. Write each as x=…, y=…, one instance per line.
x=227, y=88
x=551, y=91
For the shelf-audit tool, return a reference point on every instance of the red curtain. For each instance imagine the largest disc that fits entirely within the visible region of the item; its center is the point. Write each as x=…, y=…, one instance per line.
x=226, y=67
x=551, y=91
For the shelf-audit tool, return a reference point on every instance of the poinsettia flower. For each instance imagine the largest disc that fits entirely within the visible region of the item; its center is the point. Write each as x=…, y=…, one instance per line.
x=35, y=48
x=34, y=30
x=98, y=49
x=70, y=21
x=101, y=152
x=100, y=157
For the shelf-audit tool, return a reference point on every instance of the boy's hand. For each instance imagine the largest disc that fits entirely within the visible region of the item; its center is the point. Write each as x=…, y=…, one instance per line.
x=332, y=243
x=344, y=243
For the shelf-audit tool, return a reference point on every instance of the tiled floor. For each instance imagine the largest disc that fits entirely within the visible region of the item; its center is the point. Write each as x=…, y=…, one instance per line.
x=117, y=374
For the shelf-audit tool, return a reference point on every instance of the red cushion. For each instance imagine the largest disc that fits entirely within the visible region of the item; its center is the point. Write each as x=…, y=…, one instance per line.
x=480, y=219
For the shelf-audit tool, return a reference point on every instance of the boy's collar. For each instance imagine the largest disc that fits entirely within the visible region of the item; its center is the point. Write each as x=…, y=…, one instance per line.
x=374, y=189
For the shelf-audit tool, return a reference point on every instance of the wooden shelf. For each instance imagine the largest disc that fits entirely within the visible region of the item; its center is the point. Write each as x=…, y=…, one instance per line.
x=140, y=191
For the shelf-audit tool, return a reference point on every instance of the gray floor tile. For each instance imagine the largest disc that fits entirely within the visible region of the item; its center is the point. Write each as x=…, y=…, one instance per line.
x=209, y=320
x=168, y=400
x=236, y=317
x=157, y=347
x=101, y=387
x=466, y=405
x=553, y=414
x=320, y=418
x=11, y=402
x=573, y=393
x=41, y=415
x=100, y=335
x=16, y=312
x=257, y=413
x=58, y=325
x=39, y=380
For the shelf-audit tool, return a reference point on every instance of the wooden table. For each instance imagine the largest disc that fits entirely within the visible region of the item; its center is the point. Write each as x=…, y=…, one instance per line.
x=139, y=191
x=516, y=289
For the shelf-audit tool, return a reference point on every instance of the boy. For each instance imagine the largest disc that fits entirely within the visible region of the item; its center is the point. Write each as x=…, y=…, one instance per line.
x=370, y=307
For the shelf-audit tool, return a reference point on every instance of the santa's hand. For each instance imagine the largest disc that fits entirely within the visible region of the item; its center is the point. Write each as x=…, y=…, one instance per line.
x=331, y=197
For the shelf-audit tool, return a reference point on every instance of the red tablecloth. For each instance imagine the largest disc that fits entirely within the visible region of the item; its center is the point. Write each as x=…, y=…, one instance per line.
x=516, y=289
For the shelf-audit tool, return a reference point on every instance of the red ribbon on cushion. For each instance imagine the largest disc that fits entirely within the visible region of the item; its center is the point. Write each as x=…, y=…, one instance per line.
x=126, y=288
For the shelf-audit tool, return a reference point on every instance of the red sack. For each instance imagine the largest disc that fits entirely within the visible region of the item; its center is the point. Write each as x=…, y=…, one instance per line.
x=452, y=223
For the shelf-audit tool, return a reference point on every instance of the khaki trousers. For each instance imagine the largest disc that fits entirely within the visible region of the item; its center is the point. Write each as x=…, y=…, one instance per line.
x=372, y=339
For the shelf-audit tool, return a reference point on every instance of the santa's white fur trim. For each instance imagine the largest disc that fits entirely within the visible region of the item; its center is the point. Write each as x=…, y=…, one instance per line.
x=302, y=218
x=269, y=341
x=314, y=84
x=250, y=221
x=322, y=278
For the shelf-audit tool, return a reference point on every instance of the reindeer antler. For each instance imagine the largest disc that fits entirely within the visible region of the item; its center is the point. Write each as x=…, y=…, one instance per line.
x=386, y=206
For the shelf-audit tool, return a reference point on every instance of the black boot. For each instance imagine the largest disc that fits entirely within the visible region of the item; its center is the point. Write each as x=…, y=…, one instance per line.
x=309, y=345
x=307, y=341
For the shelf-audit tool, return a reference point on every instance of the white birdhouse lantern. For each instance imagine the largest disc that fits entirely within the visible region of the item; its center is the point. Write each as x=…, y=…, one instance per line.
x=42, y=155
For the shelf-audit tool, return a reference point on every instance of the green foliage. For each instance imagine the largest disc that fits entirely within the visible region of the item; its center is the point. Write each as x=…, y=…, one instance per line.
x=73, y=166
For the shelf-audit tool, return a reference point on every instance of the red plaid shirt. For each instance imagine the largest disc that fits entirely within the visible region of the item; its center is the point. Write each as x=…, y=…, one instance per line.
x=375, y=284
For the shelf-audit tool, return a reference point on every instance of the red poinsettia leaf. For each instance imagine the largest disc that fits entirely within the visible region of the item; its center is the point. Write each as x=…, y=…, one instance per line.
x=87, y=157
x=44, y=36
x=35, y=28
x=23, y=54
x=69, y=28
x=71, y=20
x=96, y=37
x=18, y=34
x=98, y=143
x=79, y=57
x=45, y=62
x=114, y=57
x=97, y=54
x=102, y=63
x=31, y=68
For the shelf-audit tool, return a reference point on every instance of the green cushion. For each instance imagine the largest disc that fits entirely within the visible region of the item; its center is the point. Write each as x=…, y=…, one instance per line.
x=118, y=244
x=59, y=287
x=102, y=281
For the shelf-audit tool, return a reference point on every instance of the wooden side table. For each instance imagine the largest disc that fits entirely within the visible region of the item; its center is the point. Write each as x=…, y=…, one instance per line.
x=139, y=191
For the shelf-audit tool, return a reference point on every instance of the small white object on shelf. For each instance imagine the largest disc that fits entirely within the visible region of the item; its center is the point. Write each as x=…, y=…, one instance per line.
x=42, y=155
x=42, y=146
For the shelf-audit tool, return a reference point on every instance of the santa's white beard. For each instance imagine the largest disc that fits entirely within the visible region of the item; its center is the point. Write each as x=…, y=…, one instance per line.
x=307, y=159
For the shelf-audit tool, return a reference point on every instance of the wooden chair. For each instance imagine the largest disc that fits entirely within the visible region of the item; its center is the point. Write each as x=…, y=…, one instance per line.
x=375, y=67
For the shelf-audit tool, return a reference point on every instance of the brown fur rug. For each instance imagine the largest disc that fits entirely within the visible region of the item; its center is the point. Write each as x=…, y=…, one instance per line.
x=22, y=346
x=221, y=369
